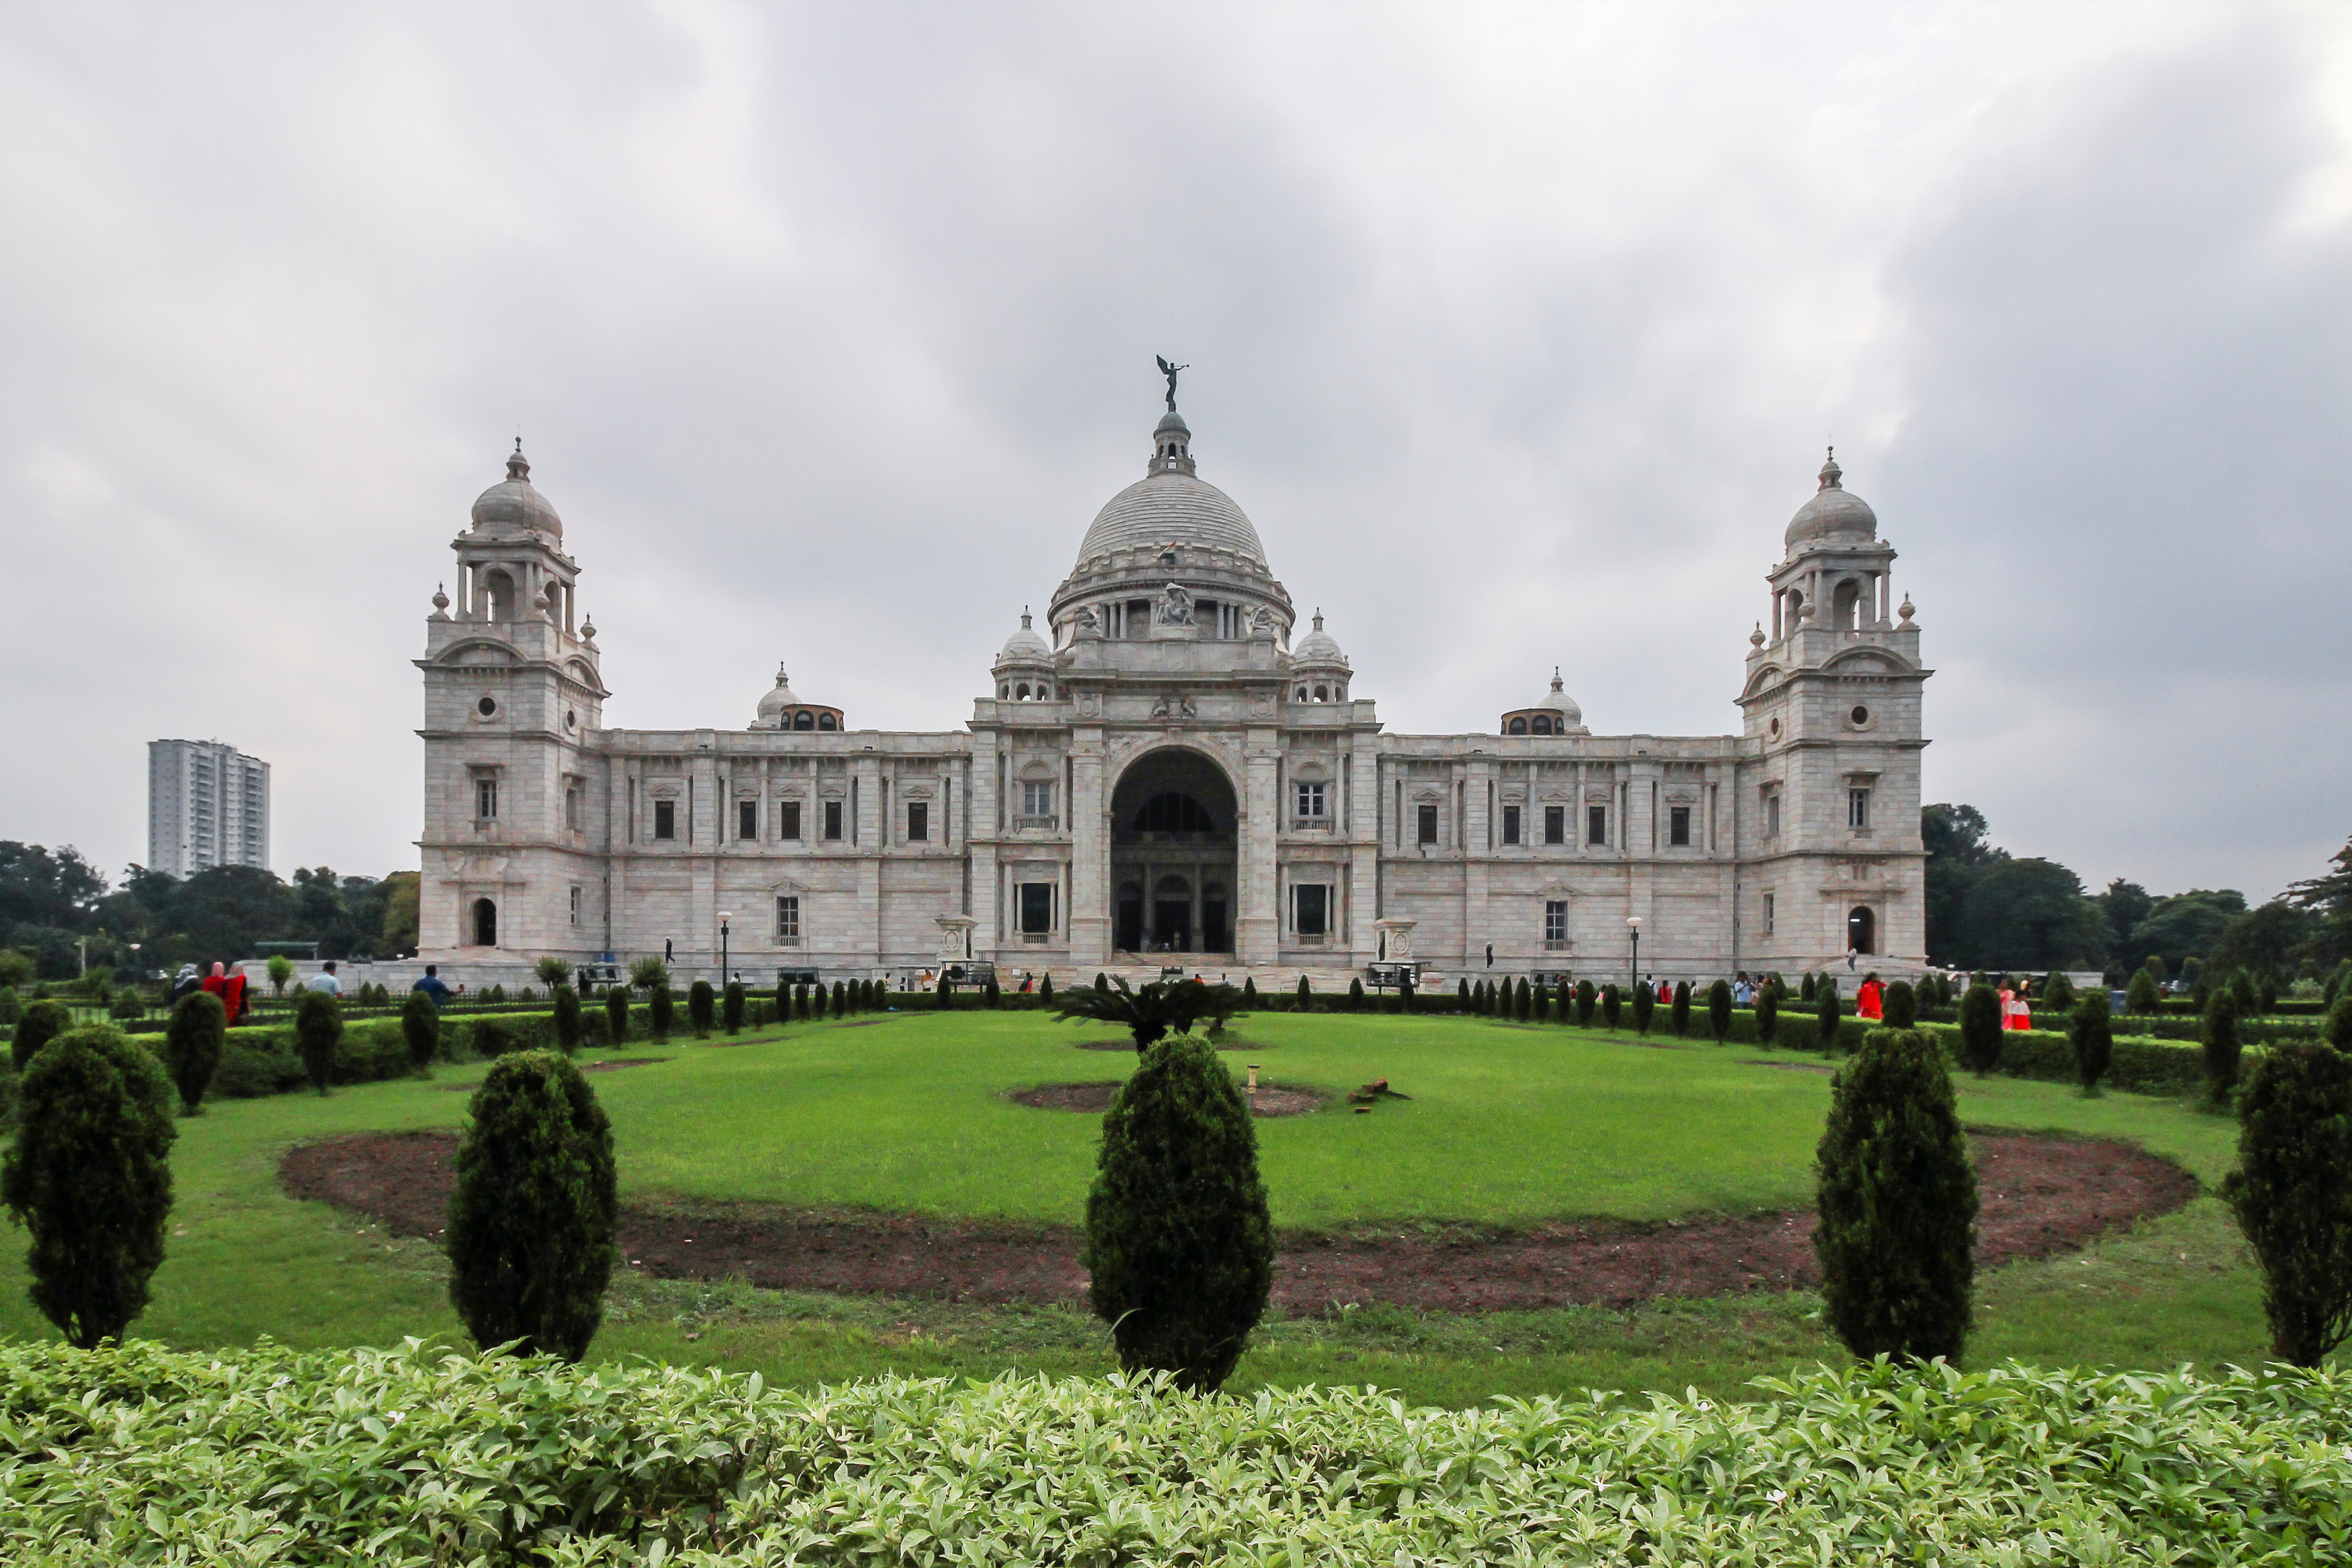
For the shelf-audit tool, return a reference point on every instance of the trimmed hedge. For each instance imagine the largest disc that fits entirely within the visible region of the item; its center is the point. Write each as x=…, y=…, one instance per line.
x=416, y=1456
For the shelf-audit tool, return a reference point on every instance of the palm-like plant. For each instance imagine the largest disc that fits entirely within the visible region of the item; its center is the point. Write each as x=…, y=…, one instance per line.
x=552, y=970
x=646, y=973
x=1161, y=1008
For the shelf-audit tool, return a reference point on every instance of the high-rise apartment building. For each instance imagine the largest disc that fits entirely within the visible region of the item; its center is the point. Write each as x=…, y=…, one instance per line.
x=207, y=805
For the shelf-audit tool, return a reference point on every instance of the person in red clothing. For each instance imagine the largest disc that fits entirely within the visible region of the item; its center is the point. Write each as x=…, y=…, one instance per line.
x=1867, y=1003
x=230, y=990
x=2018, y=1013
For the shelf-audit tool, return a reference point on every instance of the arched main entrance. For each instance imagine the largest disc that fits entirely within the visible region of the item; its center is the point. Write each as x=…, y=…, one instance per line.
x=1862, y=929
x=1173, y=838
x=486, y=923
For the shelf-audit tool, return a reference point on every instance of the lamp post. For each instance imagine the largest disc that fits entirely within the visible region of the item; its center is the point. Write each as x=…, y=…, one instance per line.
x=723, y=977
x=1634, y=978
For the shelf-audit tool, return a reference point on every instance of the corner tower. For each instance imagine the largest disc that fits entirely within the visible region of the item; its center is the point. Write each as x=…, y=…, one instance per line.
x=512, y=693
x=1832, y=698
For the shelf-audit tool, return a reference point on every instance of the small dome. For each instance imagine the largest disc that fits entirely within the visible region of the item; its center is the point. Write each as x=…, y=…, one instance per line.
x=1317, y=647
x=514, y=503
x=1834, y=513
x=1172, y=423
x=1559, y=702
x=773, y=704
x=1027, y=645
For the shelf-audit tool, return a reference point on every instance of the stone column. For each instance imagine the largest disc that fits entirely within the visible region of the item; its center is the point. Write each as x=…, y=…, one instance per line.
x=1257, y=935
x=1363, y=827
x=1089, y=912
x=981, y=844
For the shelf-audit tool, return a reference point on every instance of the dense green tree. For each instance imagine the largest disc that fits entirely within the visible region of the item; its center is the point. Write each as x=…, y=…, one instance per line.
x=2031, y=914
x=192, y=1047
x=1645, y=1005
x=1585, y=997
x=43, y=1021
x=1719, y=1010
x=616, y=1014
x=2185, y=924
x=1612, y=1006
x=1682, y=1009
x=2291, y=1198
x=552, y=971
x=2057, y=990
x=1180, y=1243
x=530, y=1224
x=2242, y=991
x=1955, y=840
x=2122, y=906
x=989, y=994
x=801, y=998
x=420, y=1028
x=2219, y=1038
x=817, y=1001
x=1827, y=1008
x=1522, y=1000
x=841, y=1000
x=318, y=1032
x=89, y=1175
x=1462, y=992
x=565, y=1004
x=2091, y=1034
x=2329, y=898
x=1249, y=992
x=2275, y=938
x=1305, y=997
x=661, y=1011
x=2142, y=996
x=1355, y=994
x=1897, y=1198
x=1901, y=1005
x=2338, y=1030
x=1161, y=1008
x=701, y=1008
x=1805, y=991
x=731, y=1007
x=1980, y=1027
x=1768, y=1014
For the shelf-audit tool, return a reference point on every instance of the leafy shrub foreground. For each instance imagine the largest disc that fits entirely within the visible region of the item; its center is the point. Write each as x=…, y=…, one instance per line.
x=142, y=1454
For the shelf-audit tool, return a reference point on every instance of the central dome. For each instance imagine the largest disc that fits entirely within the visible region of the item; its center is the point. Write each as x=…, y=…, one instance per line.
x=1170, y=507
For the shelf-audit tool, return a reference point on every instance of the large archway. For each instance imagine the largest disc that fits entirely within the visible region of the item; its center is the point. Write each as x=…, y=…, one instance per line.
x=1172, y=844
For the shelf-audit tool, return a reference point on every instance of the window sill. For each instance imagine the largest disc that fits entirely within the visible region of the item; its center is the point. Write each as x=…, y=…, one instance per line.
x=1035, y=824
x=1311, y=824
x=788, y=941
x=1317, y=940
x=1552, y=947
x=1037, y=939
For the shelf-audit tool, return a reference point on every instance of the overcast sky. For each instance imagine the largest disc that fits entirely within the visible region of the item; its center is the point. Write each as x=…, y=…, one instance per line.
x=1517, y=331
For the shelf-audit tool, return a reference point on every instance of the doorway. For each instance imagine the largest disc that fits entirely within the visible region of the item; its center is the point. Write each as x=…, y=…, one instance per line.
x=1174, y=838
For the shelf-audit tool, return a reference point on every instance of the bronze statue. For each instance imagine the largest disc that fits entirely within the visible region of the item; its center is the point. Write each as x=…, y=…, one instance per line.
x=1170, y=372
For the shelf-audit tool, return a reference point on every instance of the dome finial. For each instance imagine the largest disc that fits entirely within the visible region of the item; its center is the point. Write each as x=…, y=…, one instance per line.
x=1832, y=473
x=1556, y=683
x=517, y=465
x=1319, y=618
x=1024, y=618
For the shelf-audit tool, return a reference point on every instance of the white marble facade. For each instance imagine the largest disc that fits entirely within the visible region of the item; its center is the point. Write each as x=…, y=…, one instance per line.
x=1162, y=768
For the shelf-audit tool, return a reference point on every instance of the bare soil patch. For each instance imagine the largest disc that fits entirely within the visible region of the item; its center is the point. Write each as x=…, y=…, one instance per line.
x=1788, y=1066
x=2041, y=1196
x=1227, y=1042
x=1270, y=1099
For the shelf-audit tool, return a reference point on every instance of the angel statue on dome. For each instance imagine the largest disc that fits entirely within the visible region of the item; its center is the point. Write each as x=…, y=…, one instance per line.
x=1170, y=372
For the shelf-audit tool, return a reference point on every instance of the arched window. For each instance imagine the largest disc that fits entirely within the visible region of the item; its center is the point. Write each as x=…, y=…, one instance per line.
x=1541, y=725
x=1004, y=691
x=1302, y=694
x=1322, y=694
x=1044, y=694
x=1795, y=608
x=804, y=720
x=1519, y=726
x=1847, y=599
x=1174, y=811
x=826, y=721
x=498, y=590
x=1862, y=929
x=486, y=923
x=1021, y=693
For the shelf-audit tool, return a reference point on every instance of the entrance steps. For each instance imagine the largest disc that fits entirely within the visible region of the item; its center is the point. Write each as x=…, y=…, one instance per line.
x=1323, y=979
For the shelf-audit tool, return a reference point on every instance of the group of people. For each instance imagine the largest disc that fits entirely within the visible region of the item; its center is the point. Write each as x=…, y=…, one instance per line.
x=230, y=989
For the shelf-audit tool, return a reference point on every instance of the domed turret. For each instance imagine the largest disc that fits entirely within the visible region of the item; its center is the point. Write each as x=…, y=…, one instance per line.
x=780, y=709
x=1027, y=645
x=1319, y=669
x=514, y=504
x=1835, y=514
x=1024, y=665
x=1319, y=647
x=1556, y=713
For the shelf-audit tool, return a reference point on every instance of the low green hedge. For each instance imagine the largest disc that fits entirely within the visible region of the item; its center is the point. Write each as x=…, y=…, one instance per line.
x=139, y=1455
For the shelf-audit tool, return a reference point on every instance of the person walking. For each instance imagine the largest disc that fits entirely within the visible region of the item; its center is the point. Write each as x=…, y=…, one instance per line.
x=325, y=981
x=184, y=983
x=2017, y=1013
x=230, y=990
x=1867, y=1003
x=433, y=986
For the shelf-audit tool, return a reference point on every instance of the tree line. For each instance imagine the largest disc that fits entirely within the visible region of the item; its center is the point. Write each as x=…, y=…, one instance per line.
x=1990, y=910
x=55, y=906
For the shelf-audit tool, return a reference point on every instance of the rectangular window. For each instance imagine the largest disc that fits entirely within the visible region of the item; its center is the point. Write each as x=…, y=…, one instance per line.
x=788, y=825
x=1679, y=826
x=664, y=818
x=832, y=819
x=918, y=820
x=1767, y=915
x=1857, y=808
x=486, y=799
x=1596, y=824
x=575, y=906
x=1555, y=924
x=1310, y=802
x=1036, y=799
x=1772, y=816
x=1428, y=817
x=572, y=808
x=1510, y=824
x=1555, y=824
x=1037, y=908
x=788, y=920
x=747, y=818
x=1314, y=900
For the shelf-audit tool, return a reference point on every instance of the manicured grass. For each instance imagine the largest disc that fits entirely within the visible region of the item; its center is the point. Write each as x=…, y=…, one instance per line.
x=1507, y=1124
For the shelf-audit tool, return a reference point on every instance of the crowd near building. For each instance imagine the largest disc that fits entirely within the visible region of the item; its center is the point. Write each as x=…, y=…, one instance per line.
x=1162, y=773
x=207, y=805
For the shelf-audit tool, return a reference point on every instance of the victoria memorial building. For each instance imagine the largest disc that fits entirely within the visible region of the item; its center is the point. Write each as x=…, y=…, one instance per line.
x=1168, y=770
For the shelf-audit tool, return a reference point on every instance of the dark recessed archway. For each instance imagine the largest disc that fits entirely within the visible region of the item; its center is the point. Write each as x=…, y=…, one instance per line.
x=1173, y=832
x=486, y=923
x=1862, y=929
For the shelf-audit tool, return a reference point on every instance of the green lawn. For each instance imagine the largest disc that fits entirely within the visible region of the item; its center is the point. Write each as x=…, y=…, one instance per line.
x=1506, y=1124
